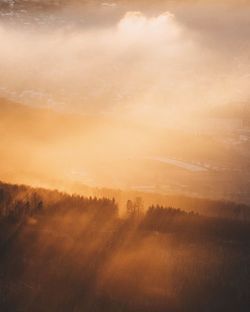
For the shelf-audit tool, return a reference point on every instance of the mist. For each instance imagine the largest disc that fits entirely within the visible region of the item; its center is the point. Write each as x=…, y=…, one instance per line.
x=142, y=65
x=125, y=163
x=145, y=89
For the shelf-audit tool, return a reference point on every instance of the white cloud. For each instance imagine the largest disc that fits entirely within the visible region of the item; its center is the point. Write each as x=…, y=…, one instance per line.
x=143, y=65
x=135, y=25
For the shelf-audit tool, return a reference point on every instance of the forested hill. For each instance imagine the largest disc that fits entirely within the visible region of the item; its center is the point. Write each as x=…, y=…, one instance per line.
x=22, y=199
x=19, y=201
x=61, y=253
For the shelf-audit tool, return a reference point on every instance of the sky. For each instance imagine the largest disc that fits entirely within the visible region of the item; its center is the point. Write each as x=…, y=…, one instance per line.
x=115, y=58
x=128, y=86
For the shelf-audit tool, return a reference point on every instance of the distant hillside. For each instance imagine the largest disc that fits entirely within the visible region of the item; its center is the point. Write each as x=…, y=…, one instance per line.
x=14, y=194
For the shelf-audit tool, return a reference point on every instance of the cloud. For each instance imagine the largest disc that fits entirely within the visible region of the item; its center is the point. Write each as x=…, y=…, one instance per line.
x=137, y=24
x=152, y=66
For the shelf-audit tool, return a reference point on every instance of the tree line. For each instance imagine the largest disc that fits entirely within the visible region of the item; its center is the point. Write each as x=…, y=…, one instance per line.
x=19, y=201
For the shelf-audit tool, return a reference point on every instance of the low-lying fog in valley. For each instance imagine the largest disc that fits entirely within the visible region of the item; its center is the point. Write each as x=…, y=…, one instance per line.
x=144, y=96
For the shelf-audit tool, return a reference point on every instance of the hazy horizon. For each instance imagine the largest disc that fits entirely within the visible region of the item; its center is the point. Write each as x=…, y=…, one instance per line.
x=136, y=95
